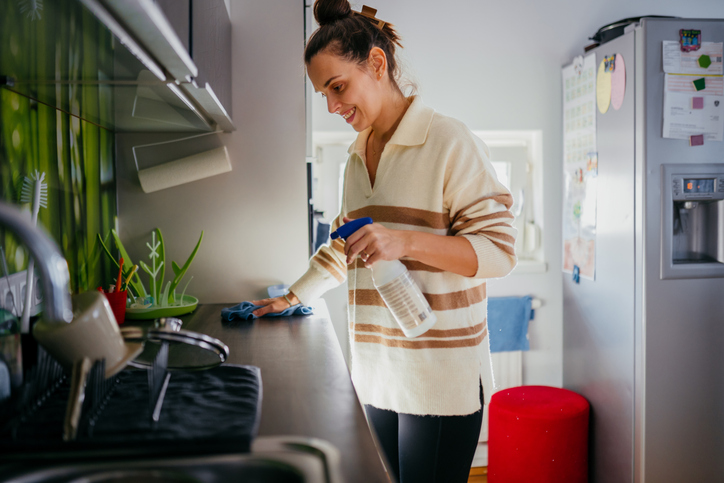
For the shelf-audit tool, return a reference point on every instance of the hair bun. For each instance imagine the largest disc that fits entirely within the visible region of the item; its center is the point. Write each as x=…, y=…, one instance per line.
x=329, y=11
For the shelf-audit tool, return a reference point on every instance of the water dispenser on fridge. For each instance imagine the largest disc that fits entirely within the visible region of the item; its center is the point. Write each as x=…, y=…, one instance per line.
x=692, y=238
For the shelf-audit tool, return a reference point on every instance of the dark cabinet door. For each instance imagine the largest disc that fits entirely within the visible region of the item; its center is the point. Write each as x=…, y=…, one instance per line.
x=178, y=13
x=205, y=31
x=211, y=47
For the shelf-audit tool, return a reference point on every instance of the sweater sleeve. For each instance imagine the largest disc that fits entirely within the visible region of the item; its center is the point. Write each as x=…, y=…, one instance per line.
x=480, y=212
x=327, y=269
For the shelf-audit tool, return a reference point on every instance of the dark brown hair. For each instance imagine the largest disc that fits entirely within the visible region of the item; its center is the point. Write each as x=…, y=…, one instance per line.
x=351, y=35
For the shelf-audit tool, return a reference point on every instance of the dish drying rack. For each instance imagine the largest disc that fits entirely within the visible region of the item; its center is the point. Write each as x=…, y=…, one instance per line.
x=58, y=412
x=48, y=383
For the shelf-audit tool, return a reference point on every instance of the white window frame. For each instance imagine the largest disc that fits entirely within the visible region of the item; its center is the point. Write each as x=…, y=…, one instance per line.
x=532, y=140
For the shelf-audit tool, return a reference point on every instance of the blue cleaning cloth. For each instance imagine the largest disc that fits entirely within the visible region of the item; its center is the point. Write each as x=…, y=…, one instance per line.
x=244, y=311
x=508, y=319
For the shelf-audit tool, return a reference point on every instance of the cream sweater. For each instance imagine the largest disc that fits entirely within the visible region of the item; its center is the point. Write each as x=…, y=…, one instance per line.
x=434, y=176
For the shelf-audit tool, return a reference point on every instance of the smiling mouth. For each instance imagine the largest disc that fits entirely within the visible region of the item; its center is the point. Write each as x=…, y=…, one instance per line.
x=349, y=113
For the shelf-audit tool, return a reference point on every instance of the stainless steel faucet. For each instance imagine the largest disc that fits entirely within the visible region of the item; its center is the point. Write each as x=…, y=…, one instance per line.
x=53, y=268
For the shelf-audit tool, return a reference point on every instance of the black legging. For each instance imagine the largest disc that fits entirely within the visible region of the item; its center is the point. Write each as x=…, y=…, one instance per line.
x=427, y=449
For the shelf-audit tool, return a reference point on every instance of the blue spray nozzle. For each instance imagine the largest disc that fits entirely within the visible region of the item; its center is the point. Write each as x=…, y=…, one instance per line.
x=347, y=229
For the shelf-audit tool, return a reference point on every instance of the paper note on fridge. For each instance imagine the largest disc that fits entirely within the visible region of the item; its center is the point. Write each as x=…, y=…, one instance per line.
x=681, y=120
x=678, y=62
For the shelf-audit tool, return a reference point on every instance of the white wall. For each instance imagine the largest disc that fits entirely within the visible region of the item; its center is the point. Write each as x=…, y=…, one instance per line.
x=496, y=66
x=254, y=217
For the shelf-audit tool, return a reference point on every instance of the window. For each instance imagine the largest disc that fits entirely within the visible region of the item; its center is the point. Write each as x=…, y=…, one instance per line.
x=502, y=169
x=517, y=159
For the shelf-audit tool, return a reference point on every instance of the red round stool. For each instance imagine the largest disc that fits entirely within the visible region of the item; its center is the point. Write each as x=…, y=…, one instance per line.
x=538, y=434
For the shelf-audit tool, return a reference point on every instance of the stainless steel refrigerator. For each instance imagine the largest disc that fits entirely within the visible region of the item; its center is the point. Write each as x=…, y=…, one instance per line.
x=644, y=341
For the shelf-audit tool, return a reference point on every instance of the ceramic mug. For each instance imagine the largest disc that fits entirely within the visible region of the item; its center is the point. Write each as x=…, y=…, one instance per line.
x=93, y=333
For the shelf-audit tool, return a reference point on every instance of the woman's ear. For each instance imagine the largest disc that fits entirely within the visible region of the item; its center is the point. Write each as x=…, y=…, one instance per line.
x=377, y=61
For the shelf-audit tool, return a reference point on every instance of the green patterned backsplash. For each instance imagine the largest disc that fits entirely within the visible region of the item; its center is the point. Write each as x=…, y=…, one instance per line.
x=43, y=126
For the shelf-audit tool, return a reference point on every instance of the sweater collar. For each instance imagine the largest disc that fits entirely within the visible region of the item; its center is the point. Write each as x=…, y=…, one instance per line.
x=412, y=130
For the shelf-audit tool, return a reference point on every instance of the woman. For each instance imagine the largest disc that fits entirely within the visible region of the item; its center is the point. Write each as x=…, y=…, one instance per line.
x=426, y=181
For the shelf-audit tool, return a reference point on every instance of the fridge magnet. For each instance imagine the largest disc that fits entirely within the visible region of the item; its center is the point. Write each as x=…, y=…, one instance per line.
x=700, y=84
x=697, y=140
x=704, y=61
x=697, y=103
x=609, y=62
x=690, y=40
x=618, y=82
x=603, y=88
x=576, y=274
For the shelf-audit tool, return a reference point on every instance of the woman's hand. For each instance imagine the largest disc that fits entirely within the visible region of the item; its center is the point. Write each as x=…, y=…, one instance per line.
x=274, y=305
x=374, y=243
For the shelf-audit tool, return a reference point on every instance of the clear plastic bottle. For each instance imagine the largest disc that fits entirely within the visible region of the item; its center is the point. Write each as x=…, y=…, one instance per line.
x=403, y=297
x=397, y=288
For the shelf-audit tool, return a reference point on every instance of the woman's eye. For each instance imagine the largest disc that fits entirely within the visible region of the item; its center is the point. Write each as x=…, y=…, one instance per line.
x=338, y=88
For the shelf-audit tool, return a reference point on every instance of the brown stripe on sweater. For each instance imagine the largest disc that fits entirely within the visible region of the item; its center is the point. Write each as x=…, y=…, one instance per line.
x=357, y=263
x=363, y=296
x=410, y=264
x=329, y=258
x=465, y=222
x=421, y=344
x=504, y=199
x=457, y=300
x=489, y=216
x=330, y=268
x=488, y=227
x=419, y=266
x=338, y=245
x=444, y=301
x=432, y=333
x=506, y=248
x=500, y=236
x=402, y=215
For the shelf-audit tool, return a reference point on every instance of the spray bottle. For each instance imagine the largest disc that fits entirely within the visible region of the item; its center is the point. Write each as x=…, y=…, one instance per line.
x=397, y=288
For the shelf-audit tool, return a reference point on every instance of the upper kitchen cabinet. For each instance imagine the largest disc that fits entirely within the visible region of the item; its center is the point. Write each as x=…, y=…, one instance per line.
x=189, y=39
x=125, y=72
x=205, y=32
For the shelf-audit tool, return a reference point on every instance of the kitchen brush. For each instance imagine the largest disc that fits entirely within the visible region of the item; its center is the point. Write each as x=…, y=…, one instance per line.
x=31, y=8
x=35, y=192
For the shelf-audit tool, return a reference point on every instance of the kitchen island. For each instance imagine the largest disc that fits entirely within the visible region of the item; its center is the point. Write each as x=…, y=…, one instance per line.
x=307, y=390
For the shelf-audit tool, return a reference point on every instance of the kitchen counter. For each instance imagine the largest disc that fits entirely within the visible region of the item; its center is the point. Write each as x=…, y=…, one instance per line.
x=307, y=390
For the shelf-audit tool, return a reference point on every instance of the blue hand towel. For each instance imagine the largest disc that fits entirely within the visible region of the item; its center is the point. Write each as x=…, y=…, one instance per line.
x=244, y=311
x=508, y=323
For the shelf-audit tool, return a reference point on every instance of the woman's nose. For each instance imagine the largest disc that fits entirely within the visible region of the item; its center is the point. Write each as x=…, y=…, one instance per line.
x=332, y=105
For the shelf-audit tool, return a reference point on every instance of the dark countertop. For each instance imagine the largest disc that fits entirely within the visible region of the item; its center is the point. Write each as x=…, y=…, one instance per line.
x=307, y=390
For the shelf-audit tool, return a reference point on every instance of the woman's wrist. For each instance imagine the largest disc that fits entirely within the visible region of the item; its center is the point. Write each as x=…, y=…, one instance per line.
x=292, y=299
x=409, y=247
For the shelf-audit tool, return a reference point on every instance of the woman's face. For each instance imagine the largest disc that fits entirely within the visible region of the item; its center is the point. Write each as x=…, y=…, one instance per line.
x=352, y=90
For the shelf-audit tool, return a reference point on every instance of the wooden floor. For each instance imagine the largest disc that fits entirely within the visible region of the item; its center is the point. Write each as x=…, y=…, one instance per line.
x=478, y=475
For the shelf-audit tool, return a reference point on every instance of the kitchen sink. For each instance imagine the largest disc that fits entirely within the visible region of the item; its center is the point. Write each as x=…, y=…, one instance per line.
x=282, y=459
